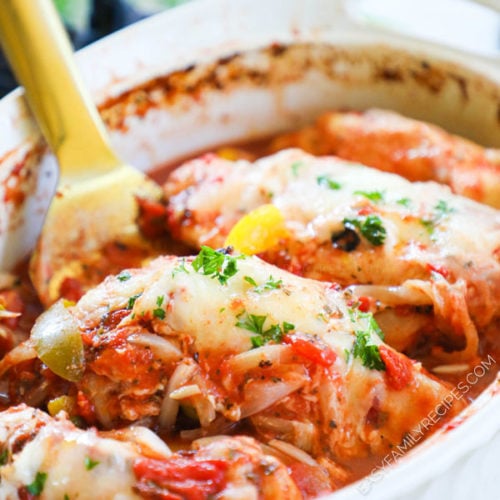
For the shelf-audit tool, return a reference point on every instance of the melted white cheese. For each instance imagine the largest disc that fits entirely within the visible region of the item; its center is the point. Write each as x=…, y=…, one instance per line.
x=60, y=451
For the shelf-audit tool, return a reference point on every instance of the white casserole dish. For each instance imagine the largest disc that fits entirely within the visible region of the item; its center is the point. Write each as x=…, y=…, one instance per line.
x=219, y=71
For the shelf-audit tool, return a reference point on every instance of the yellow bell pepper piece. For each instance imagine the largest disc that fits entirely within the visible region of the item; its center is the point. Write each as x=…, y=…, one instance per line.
x=56, y=405
x=234, y=154
x=258, y=231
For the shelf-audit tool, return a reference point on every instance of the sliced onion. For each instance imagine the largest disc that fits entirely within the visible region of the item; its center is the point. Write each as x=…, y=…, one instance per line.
x=450, y=303
x=401, y=331
x=205, y=441
x=219, y=426
x=191, y=434
x=169, y=406
x=151, y=444
x=160, y=346
x=260, y=395
x=205, y=409
x=186, y=392
x=301, y=434
x=274, y=425
x=20, y=353
x=454, y=368
x=393, y=295
x=293, y=451
x=58, y=342
x=4, y=314
x=7, y=280
x=246, y=361
x=99, y=389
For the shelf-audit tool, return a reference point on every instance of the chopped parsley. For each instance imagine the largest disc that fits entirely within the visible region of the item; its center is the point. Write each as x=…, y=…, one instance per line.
x=405, y=202
x=364, y=348
x=255, y=323
x=375, y=196
x=216, y=264
x=252, y=322
x=90, y=464
x=36, y=487
x=373, y=327
x=295, y=167
x=270, y=284
x=371, y=228
x=441, y=210
x=181, y=268
x=429, y=225
x=131, y=300
x=124, y=276
x=159, y=313
x=4, y=457
x=250, y=280
x=325, y=181
x=367, y=351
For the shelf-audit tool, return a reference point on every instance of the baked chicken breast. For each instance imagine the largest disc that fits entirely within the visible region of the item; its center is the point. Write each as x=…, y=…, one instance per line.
x=410, y=249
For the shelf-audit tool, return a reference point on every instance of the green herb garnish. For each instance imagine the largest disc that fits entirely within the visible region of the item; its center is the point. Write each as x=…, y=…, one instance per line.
x=373, y=328
x=124, y=276
x=36, y=487
x=216, y=264
x=251, y=322
x=325, y=181
x=367, y=351
x=371, y=228
x=255, y=323
x=131, y=300
x=159, y=313
x=375, y=196
x=405, y=202
x=4, y=457
x=250, y=280
x=364, y=348
x=429, y=224
x=270, y=284
x=90, y=464
x=295, y=167
x=181, y=268
x=442, y=208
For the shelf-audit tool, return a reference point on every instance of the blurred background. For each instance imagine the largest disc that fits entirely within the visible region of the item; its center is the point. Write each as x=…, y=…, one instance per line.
x=471, y=25
x=89, y=20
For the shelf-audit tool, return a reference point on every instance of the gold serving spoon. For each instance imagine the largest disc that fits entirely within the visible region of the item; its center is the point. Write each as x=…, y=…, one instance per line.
x=95, y=201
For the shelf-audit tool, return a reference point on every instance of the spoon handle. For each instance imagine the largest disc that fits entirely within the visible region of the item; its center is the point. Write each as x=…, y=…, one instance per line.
x=38, y=49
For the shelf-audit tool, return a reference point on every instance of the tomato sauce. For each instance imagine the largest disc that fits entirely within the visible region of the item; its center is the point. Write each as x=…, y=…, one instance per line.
x=194, y=483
